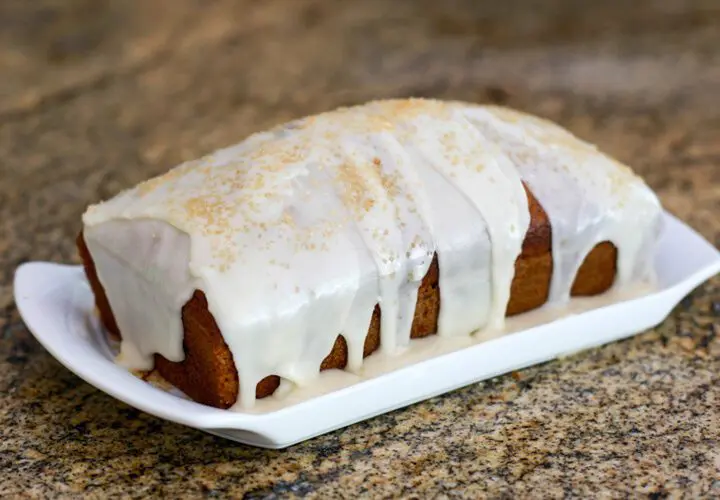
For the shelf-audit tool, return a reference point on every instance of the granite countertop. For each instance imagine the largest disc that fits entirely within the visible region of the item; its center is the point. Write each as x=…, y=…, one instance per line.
x=98, y=95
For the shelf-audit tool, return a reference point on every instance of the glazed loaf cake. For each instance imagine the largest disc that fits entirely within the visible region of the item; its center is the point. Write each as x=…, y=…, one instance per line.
x=315, y=244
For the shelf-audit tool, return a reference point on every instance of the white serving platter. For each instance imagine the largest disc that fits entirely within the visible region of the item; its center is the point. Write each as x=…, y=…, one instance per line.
x=56, y=303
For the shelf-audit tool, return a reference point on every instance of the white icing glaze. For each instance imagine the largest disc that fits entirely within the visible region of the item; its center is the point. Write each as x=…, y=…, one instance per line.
x=589, y=198
x=144, y=270
x=295, y=234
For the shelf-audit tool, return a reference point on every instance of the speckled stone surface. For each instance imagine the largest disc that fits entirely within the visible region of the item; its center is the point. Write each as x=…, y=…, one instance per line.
x=96, y=95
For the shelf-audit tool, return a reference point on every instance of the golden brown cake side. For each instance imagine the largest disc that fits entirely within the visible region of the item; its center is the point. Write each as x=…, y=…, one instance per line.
x=208, y=374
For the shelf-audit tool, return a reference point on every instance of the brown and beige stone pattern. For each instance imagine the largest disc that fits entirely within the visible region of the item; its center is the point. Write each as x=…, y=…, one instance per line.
x=96, y=95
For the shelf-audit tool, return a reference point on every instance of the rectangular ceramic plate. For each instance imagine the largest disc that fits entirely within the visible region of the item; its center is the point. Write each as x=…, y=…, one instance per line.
x=57, y=305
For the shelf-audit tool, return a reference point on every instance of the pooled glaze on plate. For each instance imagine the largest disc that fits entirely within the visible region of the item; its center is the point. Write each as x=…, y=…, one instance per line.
x=296, y=233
